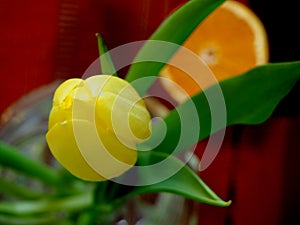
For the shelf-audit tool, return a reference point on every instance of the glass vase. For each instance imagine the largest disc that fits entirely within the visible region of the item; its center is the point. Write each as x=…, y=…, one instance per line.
x=24, y=125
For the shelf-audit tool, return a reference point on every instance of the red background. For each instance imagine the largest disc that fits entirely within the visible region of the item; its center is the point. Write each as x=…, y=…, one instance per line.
x=257, y=166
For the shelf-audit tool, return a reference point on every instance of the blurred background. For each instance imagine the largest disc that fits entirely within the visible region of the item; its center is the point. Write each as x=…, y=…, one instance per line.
x=257, y=167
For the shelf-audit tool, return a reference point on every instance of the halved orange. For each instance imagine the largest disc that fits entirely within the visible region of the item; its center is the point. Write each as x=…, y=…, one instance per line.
x=231, y=40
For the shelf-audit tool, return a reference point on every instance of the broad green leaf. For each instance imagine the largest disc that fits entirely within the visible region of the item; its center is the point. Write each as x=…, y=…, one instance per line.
x=249, y=99
x=179, y=179
x=175, y=29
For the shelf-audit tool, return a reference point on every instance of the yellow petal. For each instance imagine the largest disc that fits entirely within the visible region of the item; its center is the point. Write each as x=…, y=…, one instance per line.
x=94, y=126
x=64, y=97
x=102, y=151
x=58, y=115
x=63, y=146
x=120, y=107
x=64, y=90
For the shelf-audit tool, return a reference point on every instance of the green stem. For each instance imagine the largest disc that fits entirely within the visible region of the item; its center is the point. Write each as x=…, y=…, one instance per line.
x=100, y=192
x=86, y=218
x=107, y=66
x=26, y=208
x=32, y=220
x=12, y=158
x=114, y=191
x=12, y=189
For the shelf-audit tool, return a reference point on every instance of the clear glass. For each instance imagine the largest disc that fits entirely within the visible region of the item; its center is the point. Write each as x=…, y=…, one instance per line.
x=156, y=209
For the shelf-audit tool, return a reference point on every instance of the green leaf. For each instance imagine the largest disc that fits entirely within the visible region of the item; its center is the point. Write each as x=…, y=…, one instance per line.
x=248, y=99
x=179, y=179
x=107, y=66
x=175, y=29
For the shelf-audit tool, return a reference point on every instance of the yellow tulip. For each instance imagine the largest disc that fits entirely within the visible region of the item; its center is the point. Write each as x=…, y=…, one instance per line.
x=94, y=126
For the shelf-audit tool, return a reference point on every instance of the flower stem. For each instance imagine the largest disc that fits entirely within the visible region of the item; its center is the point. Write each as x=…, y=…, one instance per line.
x=100, y=192
x=32, y=220
x=12, y=158
x=26, y=208
x=12, y=189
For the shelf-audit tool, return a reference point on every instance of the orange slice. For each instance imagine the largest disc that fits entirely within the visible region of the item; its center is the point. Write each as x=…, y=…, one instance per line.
x=231, y=40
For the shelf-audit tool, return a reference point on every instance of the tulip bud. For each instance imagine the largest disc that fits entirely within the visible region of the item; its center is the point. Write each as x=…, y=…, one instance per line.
x=94, y=126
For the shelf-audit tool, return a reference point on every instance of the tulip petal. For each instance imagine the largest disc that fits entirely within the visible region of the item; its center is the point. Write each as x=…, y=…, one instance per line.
x=94, y=126
x=120, y=107
x=102, y=150
x=64, y=90
x=63, y=146
x=58, y=115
